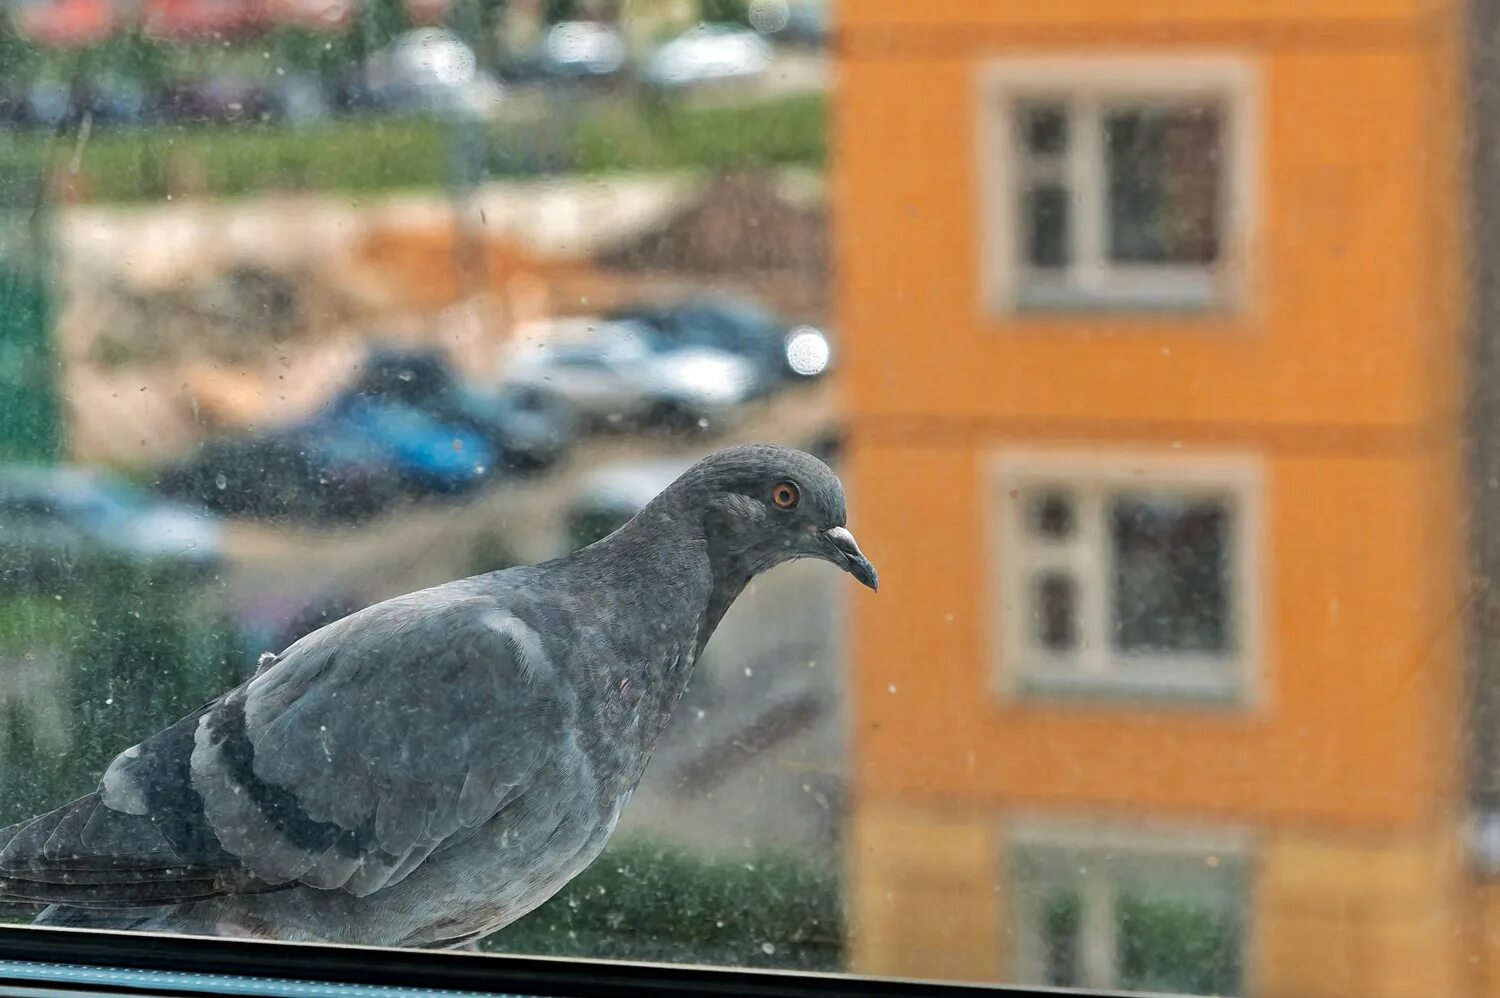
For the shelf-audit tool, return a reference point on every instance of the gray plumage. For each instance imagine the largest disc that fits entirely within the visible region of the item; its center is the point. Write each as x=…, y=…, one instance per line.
x=431, y=768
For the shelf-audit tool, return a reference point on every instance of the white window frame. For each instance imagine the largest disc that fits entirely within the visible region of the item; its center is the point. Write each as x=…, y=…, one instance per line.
x=1023, y=668
x=1086, y=85
x=1102, y=849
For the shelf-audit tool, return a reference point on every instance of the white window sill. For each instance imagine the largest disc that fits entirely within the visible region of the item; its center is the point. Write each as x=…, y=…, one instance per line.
x=1225, y=690
x=1193, y=296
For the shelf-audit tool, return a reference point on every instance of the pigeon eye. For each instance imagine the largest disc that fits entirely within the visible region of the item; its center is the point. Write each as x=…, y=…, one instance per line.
x=785, y=495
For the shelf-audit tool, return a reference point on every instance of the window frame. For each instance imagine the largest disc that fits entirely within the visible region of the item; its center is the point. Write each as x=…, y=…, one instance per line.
x=75, y=963
x=1092, y=284
x=1028, y=840
x=1017, y=668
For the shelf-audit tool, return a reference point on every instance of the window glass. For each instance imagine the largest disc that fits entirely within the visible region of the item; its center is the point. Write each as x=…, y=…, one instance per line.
x=1163, y=183
x=1171, y=574
x=1107, y=917
x=1118, y=183
x=1144, y=640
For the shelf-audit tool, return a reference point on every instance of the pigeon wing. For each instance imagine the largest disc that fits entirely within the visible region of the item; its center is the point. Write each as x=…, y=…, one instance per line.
x=346, y=762
x=141, y=839
x=342, y=764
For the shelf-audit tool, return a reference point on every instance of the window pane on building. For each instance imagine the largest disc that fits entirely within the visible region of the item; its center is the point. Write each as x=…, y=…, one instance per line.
x=1170, y=579
x=1056, y=611
x=1162, y=168
x=1046, y=209
x=1174, y=943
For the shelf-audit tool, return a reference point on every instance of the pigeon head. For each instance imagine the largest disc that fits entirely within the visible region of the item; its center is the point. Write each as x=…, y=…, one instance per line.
x=762, y=505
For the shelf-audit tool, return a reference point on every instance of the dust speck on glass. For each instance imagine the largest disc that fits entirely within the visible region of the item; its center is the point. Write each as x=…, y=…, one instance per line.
x=1088, y=586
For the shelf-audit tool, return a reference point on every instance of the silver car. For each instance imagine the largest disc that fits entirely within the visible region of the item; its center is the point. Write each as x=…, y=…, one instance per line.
x=57, y=521
x=707, y=53
x=619, y=373
x=432, y=70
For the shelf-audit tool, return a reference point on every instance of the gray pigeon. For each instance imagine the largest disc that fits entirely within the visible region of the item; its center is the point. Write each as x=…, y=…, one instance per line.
x=431, y=768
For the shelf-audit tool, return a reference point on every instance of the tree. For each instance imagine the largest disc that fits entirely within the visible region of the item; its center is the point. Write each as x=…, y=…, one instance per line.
x=724, y=11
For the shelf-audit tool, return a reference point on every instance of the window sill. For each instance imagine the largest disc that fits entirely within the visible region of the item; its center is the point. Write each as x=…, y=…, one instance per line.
x=70, y=963
x=1195, y=692
x=1193, y=299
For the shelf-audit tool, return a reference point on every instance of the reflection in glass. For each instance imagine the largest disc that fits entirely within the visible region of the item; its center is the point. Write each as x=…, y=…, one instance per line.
x=1163, y=170
x=1170, y=578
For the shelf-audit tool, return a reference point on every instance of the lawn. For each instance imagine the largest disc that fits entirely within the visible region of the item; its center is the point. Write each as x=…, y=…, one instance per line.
x=648, y=900
x=375, y=154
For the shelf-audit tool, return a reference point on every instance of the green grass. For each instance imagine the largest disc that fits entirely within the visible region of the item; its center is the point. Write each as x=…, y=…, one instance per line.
x=643, y=900
x=147, y=164
x=370, y=155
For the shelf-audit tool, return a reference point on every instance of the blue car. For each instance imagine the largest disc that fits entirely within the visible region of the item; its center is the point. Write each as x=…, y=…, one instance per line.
x=428, y=455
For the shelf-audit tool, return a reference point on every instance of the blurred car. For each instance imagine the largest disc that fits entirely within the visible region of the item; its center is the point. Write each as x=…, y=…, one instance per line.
x=297, y=473
x=428, y=455
x=781, y=353
x=114, y=99
x=432, y=71
x=708, y=53
x=297, y=99
x=620, y=373
x=55, y=522
x=50, y=103
x=798, y=22
x=215, y=99
x=529, y=430
x=612, y=495
x=574, y=50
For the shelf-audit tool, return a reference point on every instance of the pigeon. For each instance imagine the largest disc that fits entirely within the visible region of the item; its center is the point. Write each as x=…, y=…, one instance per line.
x=429, y=769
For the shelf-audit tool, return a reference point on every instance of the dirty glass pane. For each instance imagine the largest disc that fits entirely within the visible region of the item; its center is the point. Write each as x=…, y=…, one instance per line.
x=1148, y=920
x=1052, y=515
x=306, y=306
x=1171, y=578
x=1044, y=127
x=1056, y=611
x=1178, y=944
x=1154, y=348
x=1164, y=183
x=1046, y=210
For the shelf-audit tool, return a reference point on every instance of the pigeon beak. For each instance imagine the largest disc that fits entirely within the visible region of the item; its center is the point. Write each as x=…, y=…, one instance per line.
x=849, y=557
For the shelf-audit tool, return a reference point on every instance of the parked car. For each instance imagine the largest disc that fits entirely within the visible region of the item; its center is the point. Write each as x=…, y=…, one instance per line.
x=529, y=430
x=218, y=98
x=573, y=50
x=797, y=22
x=57, y=522
x=431, y=70
x=405, y=426
x=428, y=455
x=709, y=53
x=299, y=473
x=618, y=373
x=781, y=353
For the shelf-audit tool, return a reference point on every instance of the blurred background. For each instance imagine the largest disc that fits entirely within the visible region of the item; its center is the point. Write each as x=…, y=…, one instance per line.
x=1155, y=344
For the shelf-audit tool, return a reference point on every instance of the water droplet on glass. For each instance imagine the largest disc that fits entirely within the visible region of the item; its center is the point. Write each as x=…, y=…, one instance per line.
x=768, y=948
x=220, y=481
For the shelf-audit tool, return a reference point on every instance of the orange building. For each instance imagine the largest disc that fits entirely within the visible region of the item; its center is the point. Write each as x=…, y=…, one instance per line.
x=1154, y=323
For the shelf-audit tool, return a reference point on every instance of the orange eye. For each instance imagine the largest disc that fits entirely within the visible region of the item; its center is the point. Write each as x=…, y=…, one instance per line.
x=785, y=495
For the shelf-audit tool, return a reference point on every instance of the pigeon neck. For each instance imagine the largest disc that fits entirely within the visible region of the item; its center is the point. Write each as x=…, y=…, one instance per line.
x=675, y=552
